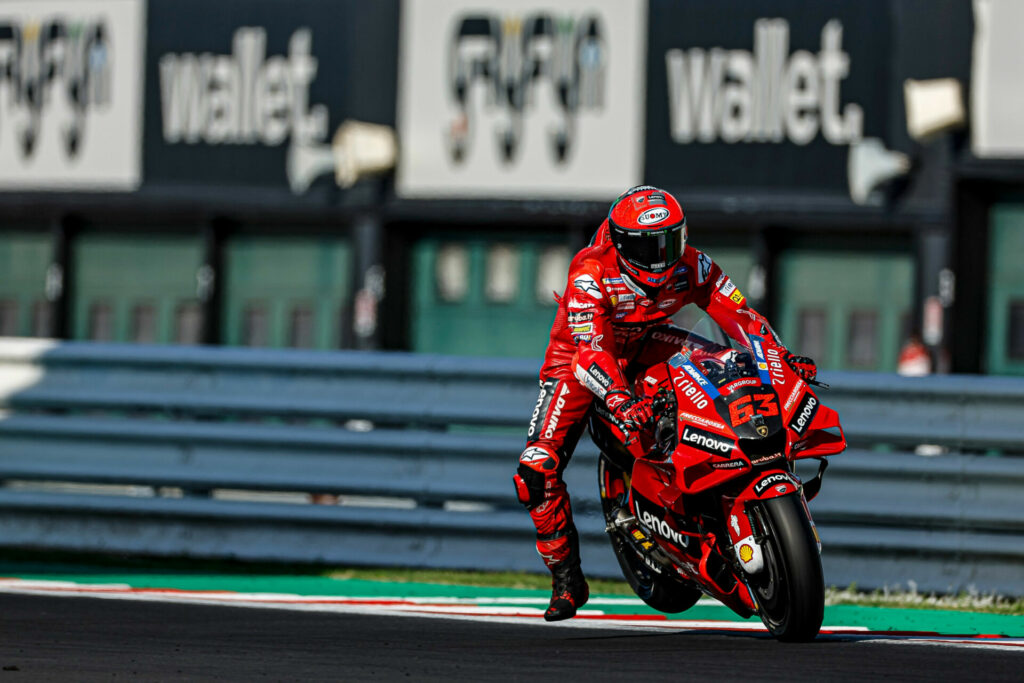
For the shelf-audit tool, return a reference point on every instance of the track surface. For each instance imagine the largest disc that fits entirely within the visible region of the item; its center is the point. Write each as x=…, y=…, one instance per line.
x=74, y=638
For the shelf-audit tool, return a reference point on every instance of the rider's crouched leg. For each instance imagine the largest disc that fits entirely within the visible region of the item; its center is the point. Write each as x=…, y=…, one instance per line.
x=540, y=488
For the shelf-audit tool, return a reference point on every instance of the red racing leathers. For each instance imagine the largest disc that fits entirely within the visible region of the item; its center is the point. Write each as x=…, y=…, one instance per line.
x=604, y=322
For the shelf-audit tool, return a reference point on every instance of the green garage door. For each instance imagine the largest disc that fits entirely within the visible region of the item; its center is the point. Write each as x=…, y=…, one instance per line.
x=136, y=288
x=286, y=292
x=24, y=258
x=486, y=298
x=1005, y=338
x=846, y=310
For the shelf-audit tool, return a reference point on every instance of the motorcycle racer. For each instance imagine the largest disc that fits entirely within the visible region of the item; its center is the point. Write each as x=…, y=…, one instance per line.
x=621, y=292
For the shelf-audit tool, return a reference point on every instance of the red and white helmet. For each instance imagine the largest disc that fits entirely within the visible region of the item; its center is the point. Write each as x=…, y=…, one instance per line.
x=648, y=229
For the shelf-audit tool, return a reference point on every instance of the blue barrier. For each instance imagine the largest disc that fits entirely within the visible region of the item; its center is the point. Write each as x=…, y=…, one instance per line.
x=218, y=453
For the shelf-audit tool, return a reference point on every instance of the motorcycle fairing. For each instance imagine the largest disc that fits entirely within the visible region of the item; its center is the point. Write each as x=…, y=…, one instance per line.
x=820, y=441
x=660, y=520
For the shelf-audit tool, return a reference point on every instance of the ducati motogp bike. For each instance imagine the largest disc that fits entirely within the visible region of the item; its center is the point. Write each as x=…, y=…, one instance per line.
x=707, y=501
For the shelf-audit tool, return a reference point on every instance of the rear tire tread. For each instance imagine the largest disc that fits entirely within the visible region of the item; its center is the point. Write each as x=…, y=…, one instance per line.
x=662, y=593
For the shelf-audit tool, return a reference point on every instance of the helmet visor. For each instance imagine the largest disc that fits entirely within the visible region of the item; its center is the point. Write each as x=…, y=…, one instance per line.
x=652, y=250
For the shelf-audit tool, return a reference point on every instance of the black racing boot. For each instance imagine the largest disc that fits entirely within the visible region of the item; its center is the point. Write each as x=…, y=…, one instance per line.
x=569, y=592
x=569, y=589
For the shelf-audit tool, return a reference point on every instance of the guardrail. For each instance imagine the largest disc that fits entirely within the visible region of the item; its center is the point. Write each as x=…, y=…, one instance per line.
x=218, y=453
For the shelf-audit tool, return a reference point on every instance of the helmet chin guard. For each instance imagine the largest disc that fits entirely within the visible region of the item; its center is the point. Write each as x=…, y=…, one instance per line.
x=648, y=228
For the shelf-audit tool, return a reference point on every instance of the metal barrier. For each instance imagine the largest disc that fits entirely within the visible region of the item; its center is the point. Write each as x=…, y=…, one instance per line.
x=215, y=453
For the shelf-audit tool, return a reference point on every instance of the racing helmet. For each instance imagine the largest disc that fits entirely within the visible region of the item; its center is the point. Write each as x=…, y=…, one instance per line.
x=648, y=228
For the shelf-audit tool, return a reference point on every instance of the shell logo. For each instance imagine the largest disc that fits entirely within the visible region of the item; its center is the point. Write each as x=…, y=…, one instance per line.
x=746, y=553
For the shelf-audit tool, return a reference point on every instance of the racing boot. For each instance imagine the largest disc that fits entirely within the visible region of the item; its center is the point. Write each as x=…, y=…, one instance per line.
x=569, y=589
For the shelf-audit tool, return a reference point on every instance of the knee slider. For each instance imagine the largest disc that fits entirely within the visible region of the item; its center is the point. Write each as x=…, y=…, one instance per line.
x=529, y=487
x=536, y=465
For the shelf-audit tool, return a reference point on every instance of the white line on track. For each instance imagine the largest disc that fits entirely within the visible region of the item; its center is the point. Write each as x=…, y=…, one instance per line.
x=470, y=609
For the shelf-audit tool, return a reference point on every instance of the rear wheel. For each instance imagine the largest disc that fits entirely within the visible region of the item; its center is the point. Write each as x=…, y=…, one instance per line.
x=663, y=593
x=790, y=590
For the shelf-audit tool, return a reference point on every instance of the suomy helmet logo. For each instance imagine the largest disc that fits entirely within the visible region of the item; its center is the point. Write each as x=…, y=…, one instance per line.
x=652, y=216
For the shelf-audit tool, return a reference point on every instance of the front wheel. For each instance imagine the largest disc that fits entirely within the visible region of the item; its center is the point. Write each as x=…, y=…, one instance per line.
x=790, y=590
x=662, y=592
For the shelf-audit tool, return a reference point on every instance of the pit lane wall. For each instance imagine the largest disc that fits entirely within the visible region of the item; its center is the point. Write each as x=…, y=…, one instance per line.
x=405, y=460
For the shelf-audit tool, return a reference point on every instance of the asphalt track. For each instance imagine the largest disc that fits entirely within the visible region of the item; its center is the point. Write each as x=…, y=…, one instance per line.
x=84, y=639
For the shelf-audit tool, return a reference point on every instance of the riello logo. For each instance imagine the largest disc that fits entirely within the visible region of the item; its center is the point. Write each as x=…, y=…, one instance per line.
x=767, y=95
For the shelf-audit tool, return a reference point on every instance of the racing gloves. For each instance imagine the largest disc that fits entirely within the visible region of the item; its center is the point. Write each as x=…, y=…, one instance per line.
x=634, y=412
x=802, y=366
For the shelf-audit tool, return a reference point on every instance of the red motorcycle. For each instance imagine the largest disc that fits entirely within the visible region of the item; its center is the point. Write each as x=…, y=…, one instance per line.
x=707, y=501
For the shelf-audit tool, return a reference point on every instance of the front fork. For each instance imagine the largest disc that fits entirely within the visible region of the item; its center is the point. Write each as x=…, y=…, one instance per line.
x=747, y=536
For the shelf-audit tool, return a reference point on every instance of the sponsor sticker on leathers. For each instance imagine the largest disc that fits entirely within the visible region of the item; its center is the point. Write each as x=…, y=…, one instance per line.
x=587, y=285
x=703, y=268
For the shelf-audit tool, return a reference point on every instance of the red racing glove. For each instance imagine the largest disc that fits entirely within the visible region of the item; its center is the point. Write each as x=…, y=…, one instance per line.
x=634, y=412
x=802, y=366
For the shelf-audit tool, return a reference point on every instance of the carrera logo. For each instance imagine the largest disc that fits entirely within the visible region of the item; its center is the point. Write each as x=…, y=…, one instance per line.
x=652, y=216
x=728, y=465
x=661, y=527
x=804, y=414
x=707, y=441
x=769, y=481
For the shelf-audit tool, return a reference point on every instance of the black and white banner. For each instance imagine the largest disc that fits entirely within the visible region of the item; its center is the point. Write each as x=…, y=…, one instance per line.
x=253, y=97
x=520, y=98
x=71, y=94
x=764, y=95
